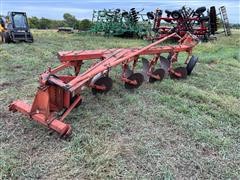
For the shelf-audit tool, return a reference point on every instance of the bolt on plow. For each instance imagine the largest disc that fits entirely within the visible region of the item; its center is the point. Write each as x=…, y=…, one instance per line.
x=57, y=95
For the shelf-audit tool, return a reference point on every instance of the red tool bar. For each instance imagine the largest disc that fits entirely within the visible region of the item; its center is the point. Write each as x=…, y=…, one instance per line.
x=88, y=56
x=84, y=54
x=81, y=80
x=109, y=62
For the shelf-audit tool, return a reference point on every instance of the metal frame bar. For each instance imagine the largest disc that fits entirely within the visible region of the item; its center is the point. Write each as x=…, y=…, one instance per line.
x=58, y=93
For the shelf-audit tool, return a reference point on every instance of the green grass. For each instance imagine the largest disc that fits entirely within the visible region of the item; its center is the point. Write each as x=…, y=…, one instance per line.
x=168, y=130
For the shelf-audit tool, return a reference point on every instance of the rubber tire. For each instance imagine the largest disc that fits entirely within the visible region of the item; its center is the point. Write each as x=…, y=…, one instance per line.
x=168, y=12
x=150, y=15
x=1, y=35
x=31, y=40
x=125, y=14
x=191, y=64
x=176, y=15
x=200, y=10
x=6, y=37
x=213, y=20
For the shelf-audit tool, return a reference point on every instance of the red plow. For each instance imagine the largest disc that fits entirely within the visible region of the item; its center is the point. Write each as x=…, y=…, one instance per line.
x=58, y=95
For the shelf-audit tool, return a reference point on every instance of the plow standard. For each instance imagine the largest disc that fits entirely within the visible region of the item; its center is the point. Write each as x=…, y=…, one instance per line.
x=58, y=94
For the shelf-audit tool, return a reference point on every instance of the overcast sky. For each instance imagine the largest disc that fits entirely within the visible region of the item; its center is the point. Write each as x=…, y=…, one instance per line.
x=54, y=9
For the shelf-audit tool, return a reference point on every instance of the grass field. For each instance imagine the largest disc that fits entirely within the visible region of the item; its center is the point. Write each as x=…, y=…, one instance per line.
x=168, y=130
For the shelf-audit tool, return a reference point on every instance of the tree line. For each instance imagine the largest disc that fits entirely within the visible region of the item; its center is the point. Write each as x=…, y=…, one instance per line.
x=235, y=26
x=71, y=21
x=68, y=21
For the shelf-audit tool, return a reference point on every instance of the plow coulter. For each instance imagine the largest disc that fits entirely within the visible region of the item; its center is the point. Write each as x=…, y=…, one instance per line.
x=58, y=94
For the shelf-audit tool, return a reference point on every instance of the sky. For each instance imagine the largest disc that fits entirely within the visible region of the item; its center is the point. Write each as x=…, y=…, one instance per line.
x=82, y=9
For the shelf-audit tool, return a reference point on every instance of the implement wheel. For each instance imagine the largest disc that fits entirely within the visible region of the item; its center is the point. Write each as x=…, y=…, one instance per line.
x=30, y=40
x=191, y=64
x=213, y=20
x=176, y=14
x=6, y=37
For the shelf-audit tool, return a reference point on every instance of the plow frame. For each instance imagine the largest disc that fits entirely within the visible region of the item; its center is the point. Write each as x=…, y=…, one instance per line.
x=58, y=95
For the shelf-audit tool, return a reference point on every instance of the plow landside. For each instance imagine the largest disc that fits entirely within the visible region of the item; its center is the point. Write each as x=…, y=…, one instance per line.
x=57, y=95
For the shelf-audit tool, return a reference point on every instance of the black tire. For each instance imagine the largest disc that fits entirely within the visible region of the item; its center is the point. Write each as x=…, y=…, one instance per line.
x=176, y=15
x=213, y=20
x=6, y=37
x=125, y=14
x=200, y=10
x=31, y=40
x=1, y=35
x=191, y=64
x=117, y=11
x=168, y=13
x=150, y=15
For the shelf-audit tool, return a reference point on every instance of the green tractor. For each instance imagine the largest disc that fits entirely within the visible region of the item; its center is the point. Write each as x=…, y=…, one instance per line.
x=14, y=28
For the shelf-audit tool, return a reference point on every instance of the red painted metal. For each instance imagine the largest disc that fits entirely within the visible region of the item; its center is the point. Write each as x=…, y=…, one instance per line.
x=179, y=26
x=57, y=94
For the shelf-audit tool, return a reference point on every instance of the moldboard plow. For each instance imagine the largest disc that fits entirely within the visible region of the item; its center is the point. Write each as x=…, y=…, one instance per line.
x=57, y=94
